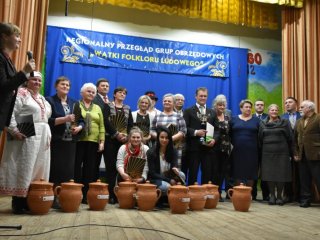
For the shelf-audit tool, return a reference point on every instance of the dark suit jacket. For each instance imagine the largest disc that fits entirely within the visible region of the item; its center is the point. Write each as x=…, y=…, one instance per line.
x=193, y=123
x=10, y=80
x=110, y=130
x=307, y=137
x=286, y=116
x=58, y=111
x=263, y=116
x=99, y=101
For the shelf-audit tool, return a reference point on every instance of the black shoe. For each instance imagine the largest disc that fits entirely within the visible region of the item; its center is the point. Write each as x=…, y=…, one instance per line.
x=18, y=205
x=272, y=200
x=279, y=202
x=266, y=199
x=56, y=204
x=112, y=201
x=305, y=204
x=221, y=199
x=84, y=201
x=287, y=199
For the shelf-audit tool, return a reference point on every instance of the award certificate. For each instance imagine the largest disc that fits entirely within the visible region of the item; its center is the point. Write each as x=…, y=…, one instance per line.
x=210, y=132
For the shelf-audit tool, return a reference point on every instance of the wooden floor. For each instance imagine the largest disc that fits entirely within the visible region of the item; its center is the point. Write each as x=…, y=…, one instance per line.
x=261, y=222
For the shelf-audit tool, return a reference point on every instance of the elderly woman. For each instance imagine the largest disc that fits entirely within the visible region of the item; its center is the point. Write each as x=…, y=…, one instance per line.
x=92, y=139
x=222, y=148
x=275, y=137
x=173, y=121
x=244, y=138
x=26, y=156
x=131, y=151
x=64, y=131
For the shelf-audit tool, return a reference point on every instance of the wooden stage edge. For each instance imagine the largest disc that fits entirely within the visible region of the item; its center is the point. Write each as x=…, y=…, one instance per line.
x=261, y=222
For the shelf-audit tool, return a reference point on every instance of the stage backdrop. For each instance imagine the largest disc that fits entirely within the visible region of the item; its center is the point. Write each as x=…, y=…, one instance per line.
x=142, y=64
x=265, y=77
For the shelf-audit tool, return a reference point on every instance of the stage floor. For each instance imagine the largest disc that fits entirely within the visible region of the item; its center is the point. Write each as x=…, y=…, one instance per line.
x=261, y=222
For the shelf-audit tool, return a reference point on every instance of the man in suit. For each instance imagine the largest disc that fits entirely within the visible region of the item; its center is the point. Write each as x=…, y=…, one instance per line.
x=307, y=152
x=102, y=100
x=10, y=79
x=259, y=109
x=199, y=151
x=291, y=114
x=291, y=189
x=259, y=113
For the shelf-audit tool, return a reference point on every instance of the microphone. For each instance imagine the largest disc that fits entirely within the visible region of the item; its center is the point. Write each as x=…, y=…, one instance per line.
x=30, y=56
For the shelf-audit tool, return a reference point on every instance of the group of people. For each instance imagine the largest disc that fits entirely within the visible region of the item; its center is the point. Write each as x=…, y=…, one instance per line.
x=58, y=138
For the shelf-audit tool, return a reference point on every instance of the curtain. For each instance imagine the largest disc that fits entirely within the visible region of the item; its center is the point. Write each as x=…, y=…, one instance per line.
x=292, y=3
x=240, y=12
x=301, y=52
x=31, y=17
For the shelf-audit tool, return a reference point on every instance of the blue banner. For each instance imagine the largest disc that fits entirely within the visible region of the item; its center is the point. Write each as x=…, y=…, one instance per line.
x=113, y=50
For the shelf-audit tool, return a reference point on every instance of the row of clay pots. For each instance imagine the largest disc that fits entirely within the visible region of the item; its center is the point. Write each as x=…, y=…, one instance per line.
x=180, y=198
x=41, y=195
x=194, y=197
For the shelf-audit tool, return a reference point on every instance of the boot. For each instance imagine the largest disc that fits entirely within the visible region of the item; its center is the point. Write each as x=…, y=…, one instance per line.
x=18, y=205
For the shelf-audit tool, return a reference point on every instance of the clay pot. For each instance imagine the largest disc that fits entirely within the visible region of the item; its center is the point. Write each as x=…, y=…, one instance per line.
x=40, y=197
x=147, y=196
x=70, y=196
x=213, y=195
x=125, y=193
x=241, y=197
x=197, y=197
x=179, y=199
x=98, y=195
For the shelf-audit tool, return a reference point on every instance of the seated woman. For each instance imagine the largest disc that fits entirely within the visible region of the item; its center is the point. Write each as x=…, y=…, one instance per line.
x=162, y=159
x=133, y=150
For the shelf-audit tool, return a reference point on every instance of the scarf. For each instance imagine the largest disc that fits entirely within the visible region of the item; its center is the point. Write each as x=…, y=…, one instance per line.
x=132, y=152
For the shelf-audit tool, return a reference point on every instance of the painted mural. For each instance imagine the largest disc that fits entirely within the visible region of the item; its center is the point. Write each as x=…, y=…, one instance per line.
x=265, y=77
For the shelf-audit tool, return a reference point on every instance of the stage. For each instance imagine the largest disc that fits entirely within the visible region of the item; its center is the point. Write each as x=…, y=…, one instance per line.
x=261, y=222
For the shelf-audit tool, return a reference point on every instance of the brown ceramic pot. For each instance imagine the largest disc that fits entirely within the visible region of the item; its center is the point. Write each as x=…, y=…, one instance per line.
x=241, y=197
x=147, y=196
x=70, y=196
x=179, y=199
x=212, y=195
x=125, y=193
x=197, y=197
x=40, y=197
x=98, y=195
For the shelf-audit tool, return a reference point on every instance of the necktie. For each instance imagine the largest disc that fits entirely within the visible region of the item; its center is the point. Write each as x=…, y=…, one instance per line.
x=292, y=120
x=260, y=116
x=201, y=109
x=105, y=99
